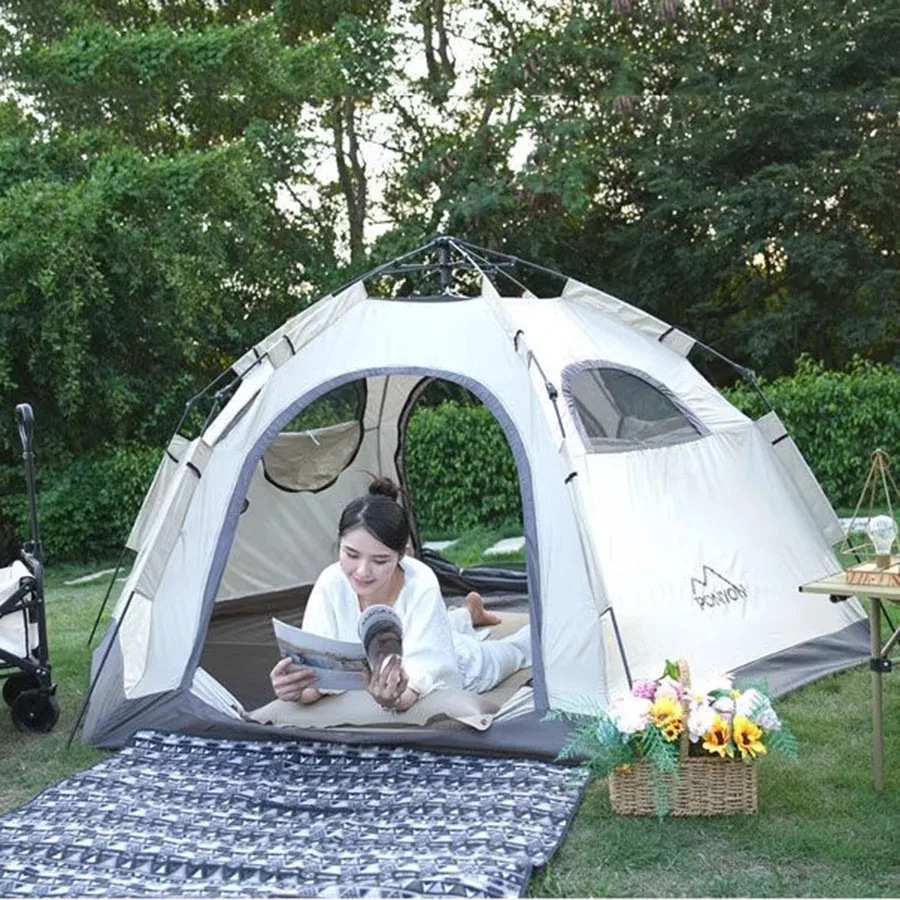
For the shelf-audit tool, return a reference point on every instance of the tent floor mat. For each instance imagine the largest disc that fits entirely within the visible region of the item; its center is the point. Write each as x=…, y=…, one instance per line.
x=240, y=649
x=175, y=815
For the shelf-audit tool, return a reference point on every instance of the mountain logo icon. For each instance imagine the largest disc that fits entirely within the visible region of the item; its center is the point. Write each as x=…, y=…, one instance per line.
x=713, y=589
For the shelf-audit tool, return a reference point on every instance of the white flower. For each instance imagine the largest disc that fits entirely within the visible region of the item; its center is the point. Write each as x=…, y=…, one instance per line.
x=629, y=714
x=701, y=687
x=756, y=707
x=700, y=719
x=668, y=688
x=724, y=705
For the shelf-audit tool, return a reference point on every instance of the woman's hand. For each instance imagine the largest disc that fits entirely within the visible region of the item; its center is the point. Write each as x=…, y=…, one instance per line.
x=292, y=682
x=388, y=686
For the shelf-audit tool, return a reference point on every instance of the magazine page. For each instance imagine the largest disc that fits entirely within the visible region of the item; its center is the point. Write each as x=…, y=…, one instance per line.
x=338, y=664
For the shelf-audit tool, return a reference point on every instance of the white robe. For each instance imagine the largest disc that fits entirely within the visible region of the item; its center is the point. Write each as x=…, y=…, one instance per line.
x=440, y=648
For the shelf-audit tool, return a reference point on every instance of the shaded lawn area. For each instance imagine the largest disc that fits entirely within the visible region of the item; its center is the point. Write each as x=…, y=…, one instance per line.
x=822, y=829
x=31, y=762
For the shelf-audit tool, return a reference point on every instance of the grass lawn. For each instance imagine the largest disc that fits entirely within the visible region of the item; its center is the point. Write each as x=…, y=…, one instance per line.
x=468, y=549
x=31, y=762
x=822, y=829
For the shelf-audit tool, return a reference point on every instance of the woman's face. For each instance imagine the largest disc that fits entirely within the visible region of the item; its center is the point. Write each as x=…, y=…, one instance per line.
x=368, y=564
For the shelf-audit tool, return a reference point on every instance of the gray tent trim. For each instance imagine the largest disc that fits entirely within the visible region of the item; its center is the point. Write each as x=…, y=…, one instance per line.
x=806, y=662
x=130, y=715
x=230, y=524
x=526, y=735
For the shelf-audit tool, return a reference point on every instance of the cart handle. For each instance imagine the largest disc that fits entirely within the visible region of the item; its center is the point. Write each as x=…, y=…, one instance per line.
x=25, y=423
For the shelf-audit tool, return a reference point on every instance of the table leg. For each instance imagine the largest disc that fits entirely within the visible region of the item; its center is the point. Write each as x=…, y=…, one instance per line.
x=877, y=727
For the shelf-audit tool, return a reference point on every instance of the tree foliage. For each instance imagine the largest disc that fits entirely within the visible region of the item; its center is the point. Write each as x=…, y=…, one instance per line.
x=863, y=399
x=176, y=178
x=729, y=166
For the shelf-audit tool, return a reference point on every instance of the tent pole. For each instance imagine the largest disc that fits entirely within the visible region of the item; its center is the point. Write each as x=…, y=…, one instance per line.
x=615, y=624
x=446, y=273
x=743, y=371
x=198, y=397
x=384, y=267
x=747, y=374
x=494, y=266
x=514, y=259
x=552, y=392
x=112, y=581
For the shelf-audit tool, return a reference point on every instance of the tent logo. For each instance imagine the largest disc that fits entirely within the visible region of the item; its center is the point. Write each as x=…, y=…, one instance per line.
x=712, y=589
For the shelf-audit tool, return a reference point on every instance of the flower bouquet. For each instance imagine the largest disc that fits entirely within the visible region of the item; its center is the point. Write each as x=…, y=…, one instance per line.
x=670, y=748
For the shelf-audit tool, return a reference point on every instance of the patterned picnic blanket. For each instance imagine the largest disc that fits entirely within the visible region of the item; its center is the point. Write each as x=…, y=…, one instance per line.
x=174, y=815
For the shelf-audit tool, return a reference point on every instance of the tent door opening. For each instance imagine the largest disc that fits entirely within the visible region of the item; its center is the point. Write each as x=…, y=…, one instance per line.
x=324, y=456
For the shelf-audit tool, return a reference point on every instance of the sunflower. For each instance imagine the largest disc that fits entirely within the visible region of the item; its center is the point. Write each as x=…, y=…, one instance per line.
x=671, y=728
x=716, y=740
x=747, y=737
x=664, y=709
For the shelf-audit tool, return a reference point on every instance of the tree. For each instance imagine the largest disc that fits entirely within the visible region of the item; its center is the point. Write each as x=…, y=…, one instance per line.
x=144, y=149
x=142, y=242
x=177, y=178
x=730, y=166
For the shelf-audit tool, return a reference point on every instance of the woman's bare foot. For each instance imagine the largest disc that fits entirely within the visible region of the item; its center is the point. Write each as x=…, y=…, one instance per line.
x=480, y=616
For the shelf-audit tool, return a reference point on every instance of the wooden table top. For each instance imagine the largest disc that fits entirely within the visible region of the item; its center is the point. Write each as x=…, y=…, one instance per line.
x=837, y=584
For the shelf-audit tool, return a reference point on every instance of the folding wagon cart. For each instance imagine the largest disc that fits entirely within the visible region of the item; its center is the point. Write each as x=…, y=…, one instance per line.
x=24, y=653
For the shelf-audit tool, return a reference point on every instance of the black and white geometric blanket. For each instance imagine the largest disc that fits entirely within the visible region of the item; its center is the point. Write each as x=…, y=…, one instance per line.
x=173, y=815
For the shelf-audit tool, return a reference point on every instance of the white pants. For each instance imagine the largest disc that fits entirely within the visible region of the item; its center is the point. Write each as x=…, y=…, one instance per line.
x=484, y=664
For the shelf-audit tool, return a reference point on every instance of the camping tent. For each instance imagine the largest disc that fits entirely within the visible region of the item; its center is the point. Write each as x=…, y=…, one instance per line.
x=659, y=520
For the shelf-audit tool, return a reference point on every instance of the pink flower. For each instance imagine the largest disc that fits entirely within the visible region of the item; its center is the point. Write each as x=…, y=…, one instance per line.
x=668, y=687
x=645, y=689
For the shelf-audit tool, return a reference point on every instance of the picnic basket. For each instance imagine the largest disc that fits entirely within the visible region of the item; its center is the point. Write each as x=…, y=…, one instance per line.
x=704, y=785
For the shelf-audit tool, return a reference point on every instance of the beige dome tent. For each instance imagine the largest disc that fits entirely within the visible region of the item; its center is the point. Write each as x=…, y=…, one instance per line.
x=659, y=520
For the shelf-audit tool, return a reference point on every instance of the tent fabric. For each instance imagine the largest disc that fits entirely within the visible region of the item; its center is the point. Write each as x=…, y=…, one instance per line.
x=796, y=666
x=685, y=534
x=631, y=316
x=788, y=454
x=150, y=508
x=308, y=462
x=708, y=552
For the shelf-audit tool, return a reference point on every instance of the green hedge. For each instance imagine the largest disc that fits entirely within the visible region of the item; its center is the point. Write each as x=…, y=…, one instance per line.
x=462, y=473
x=87, y=508
x=837, y=419
x=461, y=470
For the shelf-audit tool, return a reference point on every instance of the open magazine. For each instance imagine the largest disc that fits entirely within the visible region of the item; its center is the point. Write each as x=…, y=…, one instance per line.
x=339, y=664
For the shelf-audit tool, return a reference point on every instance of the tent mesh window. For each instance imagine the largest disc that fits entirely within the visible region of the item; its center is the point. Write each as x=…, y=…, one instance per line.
x=319, y=443
x=614, y=407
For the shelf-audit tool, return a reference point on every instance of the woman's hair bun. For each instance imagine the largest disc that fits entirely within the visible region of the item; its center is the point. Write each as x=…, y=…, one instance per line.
x=384, y=487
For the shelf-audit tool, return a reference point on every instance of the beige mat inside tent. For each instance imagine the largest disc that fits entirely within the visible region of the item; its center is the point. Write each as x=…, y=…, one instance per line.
x=439, y=709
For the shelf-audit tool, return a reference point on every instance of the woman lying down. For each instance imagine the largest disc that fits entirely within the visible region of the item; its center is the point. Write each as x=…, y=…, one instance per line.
x=440, y=647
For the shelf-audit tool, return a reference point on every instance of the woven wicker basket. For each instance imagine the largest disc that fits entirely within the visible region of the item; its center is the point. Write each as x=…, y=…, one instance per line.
x=705, y=786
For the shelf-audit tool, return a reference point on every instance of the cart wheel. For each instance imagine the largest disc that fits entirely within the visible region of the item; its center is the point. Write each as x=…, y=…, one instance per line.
x=34, y=711
x=15, y=684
